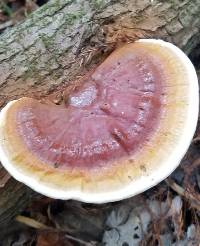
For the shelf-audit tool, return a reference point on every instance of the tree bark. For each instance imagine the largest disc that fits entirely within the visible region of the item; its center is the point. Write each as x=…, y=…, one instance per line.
x=63, y=39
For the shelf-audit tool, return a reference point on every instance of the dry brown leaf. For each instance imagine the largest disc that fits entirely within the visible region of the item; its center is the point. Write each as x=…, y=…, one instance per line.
x=52, y=239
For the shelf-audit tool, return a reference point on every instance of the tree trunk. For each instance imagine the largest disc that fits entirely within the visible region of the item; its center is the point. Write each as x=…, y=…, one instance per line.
x=64, y=38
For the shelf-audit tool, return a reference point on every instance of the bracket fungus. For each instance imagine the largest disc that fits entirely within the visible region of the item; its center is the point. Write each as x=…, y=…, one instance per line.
x=122, y=131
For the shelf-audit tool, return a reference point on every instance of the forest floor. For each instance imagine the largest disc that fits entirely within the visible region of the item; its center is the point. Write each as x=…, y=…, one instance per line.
x=168, y=214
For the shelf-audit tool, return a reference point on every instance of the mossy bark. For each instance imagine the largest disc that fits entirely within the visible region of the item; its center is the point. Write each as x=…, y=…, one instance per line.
x=64, y=38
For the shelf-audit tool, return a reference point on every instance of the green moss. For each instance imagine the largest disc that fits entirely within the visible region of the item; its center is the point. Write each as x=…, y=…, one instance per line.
x=47, y=41
x=71, y=18
x=30, y=71
x=98, y=4
x=51, y=8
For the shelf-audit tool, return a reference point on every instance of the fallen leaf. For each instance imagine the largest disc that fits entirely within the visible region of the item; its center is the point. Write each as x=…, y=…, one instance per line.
x=52, y=239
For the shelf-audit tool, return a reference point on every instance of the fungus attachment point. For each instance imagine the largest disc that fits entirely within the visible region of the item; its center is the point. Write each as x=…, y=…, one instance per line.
x=122, y=131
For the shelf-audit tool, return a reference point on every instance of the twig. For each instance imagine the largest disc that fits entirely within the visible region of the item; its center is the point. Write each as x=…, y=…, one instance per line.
x=194, y=202
x=80, y=241
x=32, y=223
x=38, y=225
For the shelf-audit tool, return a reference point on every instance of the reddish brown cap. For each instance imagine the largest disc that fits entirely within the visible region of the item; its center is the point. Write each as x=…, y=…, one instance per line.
x=122, y=131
